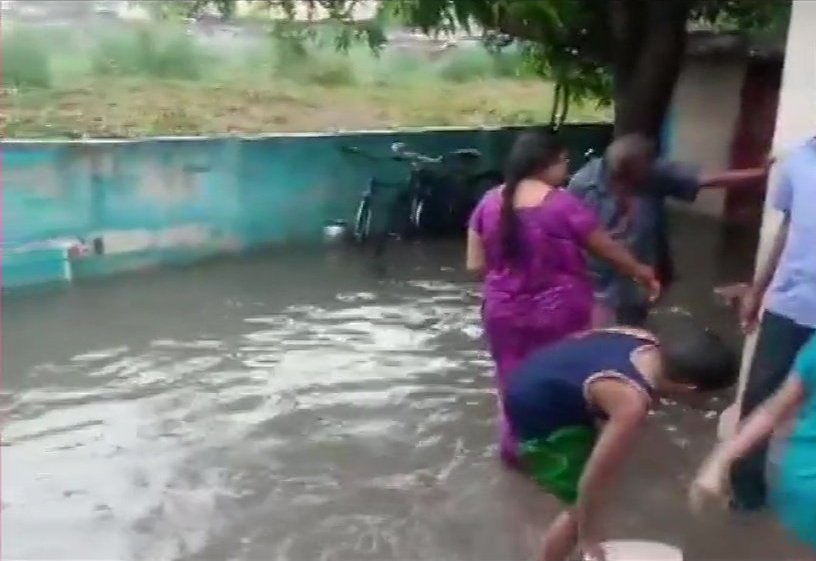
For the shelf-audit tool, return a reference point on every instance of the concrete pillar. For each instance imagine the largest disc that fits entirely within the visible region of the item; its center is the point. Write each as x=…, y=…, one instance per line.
x=795, y=122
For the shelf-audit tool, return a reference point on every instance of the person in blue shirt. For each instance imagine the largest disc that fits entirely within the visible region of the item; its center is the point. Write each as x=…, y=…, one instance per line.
x=786, y=284
x=576, y=407
x=628, y=188
x=794, y=493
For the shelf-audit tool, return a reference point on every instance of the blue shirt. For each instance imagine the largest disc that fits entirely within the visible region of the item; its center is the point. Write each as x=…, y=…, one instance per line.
x=646, y=234
x=793, y=290
x=550, y=389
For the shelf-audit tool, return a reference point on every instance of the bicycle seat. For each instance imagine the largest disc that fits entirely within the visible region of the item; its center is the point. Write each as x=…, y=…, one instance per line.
x=466, y=153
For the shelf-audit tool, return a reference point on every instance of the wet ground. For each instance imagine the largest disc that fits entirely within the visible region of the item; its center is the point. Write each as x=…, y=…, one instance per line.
x=303, y=406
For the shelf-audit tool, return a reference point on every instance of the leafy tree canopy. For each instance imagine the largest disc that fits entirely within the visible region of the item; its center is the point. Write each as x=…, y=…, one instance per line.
x=626, y=51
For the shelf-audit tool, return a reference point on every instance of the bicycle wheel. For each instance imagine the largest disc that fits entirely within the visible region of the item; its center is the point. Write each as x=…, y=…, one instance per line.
x=429, y=218
x=362, y=221
x=429, y=206
x=418, y=215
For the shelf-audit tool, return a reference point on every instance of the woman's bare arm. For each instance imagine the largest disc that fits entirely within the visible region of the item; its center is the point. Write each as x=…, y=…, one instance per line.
x=475, y=256
x=626, y=409
x=759, y=426
x=711, y=479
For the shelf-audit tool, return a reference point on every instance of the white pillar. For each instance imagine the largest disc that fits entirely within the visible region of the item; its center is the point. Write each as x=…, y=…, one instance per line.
x=795, y=121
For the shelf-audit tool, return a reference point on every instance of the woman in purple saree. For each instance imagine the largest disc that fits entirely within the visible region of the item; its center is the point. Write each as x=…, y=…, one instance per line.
x=528, y=239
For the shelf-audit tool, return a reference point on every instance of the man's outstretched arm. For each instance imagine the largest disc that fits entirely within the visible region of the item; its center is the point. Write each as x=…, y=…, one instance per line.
x=734, y=178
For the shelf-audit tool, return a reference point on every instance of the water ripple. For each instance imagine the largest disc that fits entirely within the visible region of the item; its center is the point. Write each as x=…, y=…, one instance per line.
x=343, y=395
x=358, y=426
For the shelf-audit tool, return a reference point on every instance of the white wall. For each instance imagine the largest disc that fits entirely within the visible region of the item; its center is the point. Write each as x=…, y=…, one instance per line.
x=705, y=108
x=795, y=121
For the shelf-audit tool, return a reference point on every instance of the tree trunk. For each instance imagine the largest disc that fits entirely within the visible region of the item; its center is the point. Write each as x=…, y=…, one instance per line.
x=649, y=40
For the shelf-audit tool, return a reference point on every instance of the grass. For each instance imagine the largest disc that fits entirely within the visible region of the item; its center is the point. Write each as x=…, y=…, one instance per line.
x=148, y=54
x=160, y=81
x=26, y=62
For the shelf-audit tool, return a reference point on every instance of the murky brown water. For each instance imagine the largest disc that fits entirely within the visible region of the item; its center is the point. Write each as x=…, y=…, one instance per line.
x=302, y=406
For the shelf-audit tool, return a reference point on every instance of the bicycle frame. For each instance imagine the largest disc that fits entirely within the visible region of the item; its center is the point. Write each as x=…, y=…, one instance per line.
x=433, y=200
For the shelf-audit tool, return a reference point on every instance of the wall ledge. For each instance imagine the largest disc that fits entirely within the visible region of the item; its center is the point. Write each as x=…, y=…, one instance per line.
x=273, y=135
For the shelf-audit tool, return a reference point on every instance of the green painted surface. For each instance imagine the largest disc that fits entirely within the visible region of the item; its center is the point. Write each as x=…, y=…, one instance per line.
x=157, y=202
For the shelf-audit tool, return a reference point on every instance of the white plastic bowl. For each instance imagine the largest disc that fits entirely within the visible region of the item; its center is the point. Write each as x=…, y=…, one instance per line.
x=640, y=550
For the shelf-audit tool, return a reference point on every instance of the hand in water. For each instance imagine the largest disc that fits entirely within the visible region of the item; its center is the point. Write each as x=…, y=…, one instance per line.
x=655, y=290
x=710, y=483
x=747, y=301
x=590, y=544
x=648, y=280
x=592, y=550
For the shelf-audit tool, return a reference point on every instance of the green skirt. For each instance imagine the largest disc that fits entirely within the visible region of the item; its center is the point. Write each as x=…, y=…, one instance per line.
x=557, y=462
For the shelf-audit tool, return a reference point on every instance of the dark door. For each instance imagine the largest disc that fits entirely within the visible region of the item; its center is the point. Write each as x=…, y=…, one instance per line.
x=753, y=137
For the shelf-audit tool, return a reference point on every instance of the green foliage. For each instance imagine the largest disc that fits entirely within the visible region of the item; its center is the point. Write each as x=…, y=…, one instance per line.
x=170, y=10
x=53, y=58
x=511, y=64
x=399, y=69
x=309, y=63
x=470, y=63
x=65, y=82
x=568, y=41
x=329, y=71
x=26, y=63
x=765, y=17
x=149, y=51
x=461, y=67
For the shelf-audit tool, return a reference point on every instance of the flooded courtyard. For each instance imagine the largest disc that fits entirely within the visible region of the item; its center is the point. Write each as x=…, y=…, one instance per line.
x=299, y=405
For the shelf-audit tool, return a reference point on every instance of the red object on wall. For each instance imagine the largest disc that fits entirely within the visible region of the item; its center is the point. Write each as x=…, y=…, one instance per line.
x=753, y=137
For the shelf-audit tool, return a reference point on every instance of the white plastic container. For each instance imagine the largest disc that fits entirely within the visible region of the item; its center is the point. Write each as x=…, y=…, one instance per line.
x=640, y=550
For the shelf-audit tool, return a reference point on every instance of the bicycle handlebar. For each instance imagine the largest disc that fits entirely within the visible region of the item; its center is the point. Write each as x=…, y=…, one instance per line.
x=399, y=149
x=398, y=155
x=419, y=158
x=359, y=152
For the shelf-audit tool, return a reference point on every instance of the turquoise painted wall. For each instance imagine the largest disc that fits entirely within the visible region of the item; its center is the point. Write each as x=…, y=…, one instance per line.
x=162, y=201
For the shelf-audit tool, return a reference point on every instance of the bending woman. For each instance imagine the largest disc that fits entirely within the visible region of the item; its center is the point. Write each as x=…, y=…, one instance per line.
x=527, y=239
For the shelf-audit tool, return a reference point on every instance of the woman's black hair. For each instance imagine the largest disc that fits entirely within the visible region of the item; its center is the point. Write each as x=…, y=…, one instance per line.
x=693, y=354
x=531, y=153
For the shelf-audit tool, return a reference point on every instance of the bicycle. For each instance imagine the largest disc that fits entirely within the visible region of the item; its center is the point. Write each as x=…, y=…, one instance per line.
x=396, y=225
x=445, y=189
x=437, y=198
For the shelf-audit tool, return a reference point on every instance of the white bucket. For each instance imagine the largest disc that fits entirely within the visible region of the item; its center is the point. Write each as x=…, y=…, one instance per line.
x=639, y=550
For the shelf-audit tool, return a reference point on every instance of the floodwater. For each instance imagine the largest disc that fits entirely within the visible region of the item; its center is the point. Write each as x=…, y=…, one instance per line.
x=305, y=405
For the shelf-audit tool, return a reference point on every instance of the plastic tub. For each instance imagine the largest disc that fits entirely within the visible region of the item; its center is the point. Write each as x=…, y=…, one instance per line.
x=641, y=550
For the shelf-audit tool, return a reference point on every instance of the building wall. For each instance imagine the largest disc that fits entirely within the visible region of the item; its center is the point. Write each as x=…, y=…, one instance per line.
x=704, y=113
x=795, y=122
x=86, y=208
